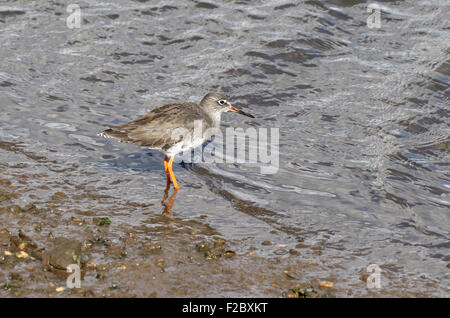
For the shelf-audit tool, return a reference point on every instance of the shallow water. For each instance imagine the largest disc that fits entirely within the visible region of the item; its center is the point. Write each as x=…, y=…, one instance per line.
x=363, y=116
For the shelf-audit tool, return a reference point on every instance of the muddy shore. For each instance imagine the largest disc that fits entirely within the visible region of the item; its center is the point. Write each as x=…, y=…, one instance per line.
x=165, y=257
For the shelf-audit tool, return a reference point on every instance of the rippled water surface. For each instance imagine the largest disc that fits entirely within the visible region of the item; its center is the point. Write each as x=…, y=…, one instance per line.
x=363, y=116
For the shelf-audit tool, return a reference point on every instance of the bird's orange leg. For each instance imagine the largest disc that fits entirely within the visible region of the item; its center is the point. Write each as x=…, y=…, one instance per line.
x=166, y=169
x=172, y=175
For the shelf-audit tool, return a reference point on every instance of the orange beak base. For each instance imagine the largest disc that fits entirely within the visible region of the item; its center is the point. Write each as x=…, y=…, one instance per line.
x=235, y=110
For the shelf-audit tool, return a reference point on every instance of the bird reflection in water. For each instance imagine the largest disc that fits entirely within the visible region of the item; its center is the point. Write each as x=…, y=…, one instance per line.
x=166, y=202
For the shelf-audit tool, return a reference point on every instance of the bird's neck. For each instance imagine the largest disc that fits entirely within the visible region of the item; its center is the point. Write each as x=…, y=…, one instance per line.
x=215, y=117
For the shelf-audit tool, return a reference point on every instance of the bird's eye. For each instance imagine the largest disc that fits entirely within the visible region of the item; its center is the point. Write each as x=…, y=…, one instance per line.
x=222, y=102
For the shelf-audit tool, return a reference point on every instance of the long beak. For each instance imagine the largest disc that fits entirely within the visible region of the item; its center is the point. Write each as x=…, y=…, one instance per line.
x=235, y=110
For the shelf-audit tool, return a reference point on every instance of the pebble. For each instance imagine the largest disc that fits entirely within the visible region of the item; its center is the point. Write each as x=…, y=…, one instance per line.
x=76, y=219
x=21, y=254
x=280, y=251
x=91, y=264
x=326, y=284
x=275, y=285
x=294, y=252
x=229, y=254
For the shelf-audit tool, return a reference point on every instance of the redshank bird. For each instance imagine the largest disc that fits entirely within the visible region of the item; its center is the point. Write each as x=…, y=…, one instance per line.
x=155, y=129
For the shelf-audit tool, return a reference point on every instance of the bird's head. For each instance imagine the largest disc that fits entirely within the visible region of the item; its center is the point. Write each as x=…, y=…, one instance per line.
x=219, y=103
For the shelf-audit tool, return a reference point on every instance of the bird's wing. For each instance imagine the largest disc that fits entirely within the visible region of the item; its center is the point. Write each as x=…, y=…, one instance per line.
x=160, y=128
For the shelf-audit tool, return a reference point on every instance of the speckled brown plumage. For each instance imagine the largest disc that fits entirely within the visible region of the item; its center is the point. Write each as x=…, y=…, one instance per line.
x=154, y=130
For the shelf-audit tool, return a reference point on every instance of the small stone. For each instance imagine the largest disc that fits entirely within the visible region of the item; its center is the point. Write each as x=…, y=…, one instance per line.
x=160, y=263
x=364, y=277
x=60, y=289
x=229, y=254
x=291, y=294
x=121, y=267
x=275, y=285
x=289, y=275
x=281, y=251
x=219, y=243
x=76, y=219
x=294, y=252
x=266, y=243
x=21, y=254
x=5, y=181
x=326, y=284
x=58, y=196
x=65, y=252
x=91, y=264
